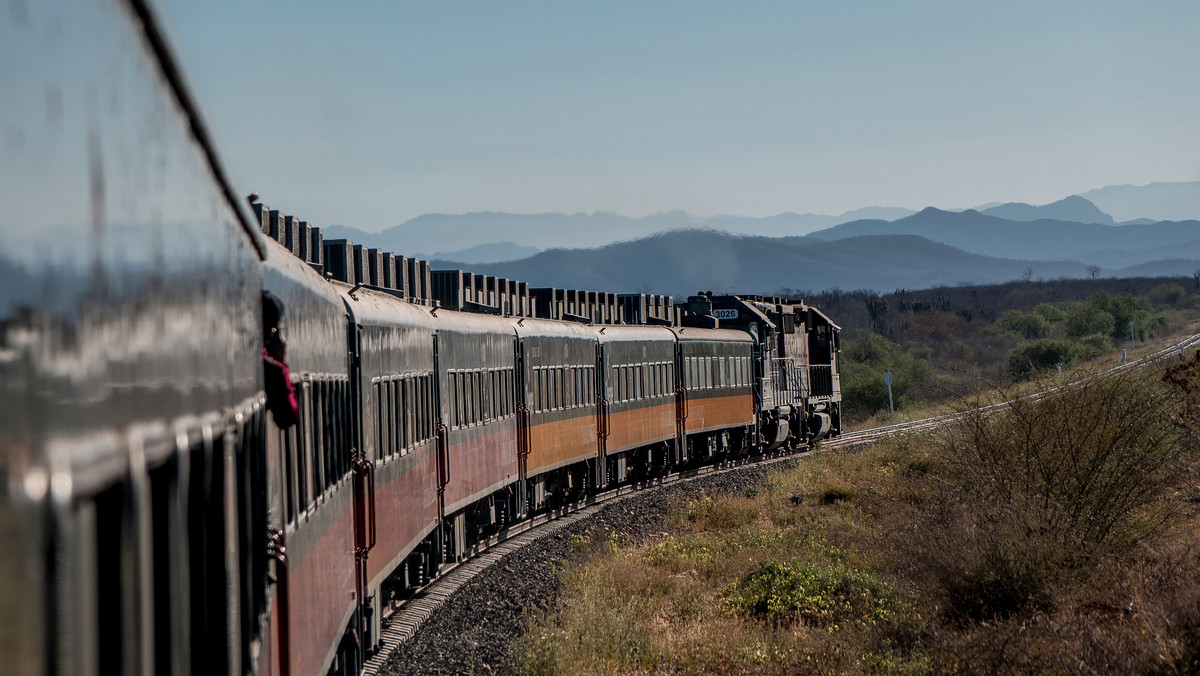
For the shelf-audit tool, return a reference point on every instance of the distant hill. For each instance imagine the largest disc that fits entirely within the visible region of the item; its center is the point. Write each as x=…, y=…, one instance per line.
x=1165, y=201
x=493, y=252
x=685, y=261
x=1073, y=208
x=448, y=232
x=1038, y=240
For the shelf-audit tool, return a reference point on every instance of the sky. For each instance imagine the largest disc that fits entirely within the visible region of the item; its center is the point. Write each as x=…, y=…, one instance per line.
x=367, y=114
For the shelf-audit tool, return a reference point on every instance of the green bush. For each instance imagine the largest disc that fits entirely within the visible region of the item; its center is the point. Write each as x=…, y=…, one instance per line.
x=1109, y=315
x=804, y=591
x=1084, y=320
x=863, y=361
x=1051, y=312
x=1023, y=324
x=1039, y=355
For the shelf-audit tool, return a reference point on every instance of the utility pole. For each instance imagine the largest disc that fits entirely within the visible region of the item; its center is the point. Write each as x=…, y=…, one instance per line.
x=887, y=379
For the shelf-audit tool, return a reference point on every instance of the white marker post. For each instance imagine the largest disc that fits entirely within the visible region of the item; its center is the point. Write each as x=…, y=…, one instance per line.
x=887, y=379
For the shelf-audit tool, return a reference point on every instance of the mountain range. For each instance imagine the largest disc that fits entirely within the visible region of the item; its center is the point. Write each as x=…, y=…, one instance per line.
x=879, y=248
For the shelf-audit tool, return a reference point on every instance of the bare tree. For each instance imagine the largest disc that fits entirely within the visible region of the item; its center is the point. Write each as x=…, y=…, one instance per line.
x=1093, y=270
x=1027, y=274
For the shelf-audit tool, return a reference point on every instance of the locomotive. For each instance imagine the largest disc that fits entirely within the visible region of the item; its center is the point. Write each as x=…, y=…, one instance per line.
x=155, y=515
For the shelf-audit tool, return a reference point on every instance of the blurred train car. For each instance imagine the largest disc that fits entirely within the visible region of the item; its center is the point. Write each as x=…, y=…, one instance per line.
x=130, y=389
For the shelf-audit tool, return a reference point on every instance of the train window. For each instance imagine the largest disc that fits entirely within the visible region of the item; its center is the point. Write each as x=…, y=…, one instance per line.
x=396, y=387
x=335, y=430
x=539, y=390
x=421, y=393
x=560, y=396
x=508, y=392
x=562, y=387
x=564, y=375
x=380, y=411
x=459, y=399
x=420, y=401
x=555, y=388
x=468, y=397
x=400, y=402
x=480, y=402
x=429, y=408
x=493, y=403
x=639, y=381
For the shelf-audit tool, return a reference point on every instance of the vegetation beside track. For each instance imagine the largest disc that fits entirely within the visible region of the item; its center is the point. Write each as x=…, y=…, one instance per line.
x=943, y=341
x=1059, y=535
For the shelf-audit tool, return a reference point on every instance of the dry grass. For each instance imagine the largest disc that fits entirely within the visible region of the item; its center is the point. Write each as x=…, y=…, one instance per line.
x=1058, y=536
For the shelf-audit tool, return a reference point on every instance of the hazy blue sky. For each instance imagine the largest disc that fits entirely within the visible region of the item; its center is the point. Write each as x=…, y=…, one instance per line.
x=367, y=114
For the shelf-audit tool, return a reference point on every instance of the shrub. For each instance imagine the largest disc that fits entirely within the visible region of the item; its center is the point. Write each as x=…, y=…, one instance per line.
x=997, y=584
x=804, y=591
x=834, y=494
x=1168, y=293
x=1084, y=320
x=1039, y=355
x=1023, y=324
x=1052, y=313
x=1081, y=466
x=864, y=360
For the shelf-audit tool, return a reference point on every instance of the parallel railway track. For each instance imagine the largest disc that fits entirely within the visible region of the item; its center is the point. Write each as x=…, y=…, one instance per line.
x=406, y=618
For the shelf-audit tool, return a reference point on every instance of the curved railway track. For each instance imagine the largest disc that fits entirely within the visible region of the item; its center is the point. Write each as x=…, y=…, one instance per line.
x=406, y=618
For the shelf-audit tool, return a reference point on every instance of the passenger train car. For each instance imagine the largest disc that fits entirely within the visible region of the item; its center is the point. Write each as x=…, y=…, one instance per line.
x=157, y=518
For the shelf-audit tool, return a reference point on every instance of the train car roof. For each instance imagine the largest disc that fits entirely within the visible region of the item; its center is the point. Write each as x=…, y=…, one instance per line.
x=691, y=333
x=622, y=332
x=824, y=316
x=549, y=328
x=371, y=306
x=468, y=322
x=279, y=260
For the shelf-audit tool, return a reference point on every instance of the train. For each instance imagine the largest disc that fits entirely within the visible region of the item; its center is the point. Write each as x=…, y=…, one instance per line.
x=164, y=512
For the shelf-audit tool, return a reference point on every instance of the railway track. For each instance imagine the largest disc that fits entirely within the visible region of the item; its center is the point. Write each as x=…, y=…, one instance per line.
x=403, y=620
